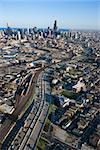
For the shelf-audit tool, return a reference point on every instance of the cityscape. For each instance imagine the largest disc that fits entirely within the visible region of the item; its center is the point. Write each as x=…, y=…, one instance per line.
x=49, y=87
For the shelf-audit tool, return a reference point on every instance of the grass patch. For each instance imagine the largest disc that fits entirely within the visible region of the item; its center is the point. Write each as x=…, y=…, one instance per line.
x=48, y=122
x=70, y=94
x=41, y=145
x=50, y=108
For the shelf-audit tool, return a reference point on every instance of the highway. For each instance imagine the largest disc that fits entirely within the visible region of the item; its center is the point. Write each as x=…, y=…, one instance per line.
x=34, y=122
x=36, y=131
x=7, y=126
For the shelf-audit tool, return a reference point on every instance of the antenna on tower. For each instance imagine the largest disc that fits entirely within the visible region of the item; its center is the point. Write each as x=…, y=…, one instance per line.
x=7, y=25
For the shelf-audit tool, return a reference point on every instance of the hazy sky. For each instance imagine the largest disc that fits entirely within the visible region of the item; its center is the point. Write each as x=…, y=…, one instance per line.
x=79, y=14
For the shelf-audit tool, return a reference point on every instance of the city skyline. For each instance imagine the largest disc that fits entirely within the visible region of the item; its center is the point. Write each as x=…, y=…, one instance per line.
x=42, y=13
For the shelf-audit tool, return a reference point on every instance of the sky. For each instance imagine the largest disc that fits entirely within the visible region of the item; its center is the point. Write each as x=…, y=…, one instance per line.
x=73, y=14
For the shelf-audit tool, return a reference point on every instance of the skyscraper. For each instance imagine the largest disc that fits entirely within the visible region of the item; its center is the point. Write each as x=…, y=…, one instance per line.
x=19, y=35
x=55, y=26
x=8, y=31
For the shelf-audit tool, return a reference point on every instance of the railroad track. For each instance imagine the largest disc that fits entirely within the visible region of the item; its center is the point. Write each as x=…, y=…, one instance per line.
x=9, y=122
x=28, y=135
x=25, y=131
x=29, y=123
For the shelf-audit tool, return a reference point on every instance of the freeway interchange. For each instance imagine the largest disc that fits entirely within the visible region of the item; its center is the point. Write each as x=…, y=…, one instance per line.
x=28, y=134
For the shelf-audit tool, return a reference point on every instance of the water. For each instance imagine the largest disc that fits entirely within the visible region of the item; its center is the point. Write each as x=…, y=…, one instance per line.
x=11, y=28
x=61, y=30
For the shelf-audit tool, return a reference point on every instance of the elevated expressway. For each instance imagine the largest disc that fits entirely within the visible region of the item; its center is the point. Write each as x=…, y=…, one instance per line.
x=28, y=135
x=10, y=121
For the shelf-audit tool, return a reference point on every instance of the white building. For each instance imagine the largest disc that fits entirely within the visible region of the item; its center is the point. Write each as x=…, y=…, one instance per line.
x=19, y=35
x=80, y=86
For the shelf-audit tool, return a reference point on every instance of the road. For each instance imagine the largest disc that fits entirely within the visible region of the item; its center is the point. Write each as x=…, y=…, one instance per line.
x=33, y=124
x=6, y=126
x=36, y=131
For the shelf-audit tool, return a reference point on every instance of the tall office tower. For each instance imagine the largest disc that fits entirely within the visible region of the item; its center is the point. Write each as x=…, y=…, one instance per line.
x=48, y=31
x=76, y=35
x=30, y=31
x=25, y=31
x=8, y=31
x=55, y=26
x=2, y=33
x=35, y=30
x=41, y=34
x=69, y=34
x=19, y=35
